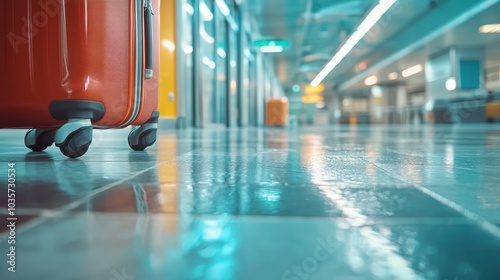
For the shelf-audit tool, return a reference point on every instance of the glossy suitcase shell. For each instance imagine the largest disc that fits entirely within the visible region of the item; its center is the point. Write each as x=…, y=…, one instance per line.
x=71, y=62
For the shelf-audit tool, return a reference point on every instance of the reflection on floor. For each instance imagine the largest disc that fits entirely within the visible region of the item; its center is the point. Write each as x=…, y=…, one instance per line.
x=340, y=202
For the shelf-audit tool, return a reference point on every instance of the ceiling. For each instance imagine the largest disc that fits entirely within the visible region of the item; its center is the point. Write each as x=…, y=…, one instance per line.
x=314, y=28
x=402, y=38
x=462, y=36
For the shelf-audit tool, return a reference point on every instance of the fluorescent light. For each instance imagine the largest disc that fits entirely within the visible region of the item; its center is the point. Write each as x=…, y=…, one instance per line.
x=373, y=17
x=490, y=28
x=413, y=70
x=370, y=81
x=429, y=105
x=233, y=24
x=377, y=91
x=221, y=52
x=224, y=9
x=188, y=8
x=247, y=53
x=393, y=76
x=188, y=49
x=205, y=11
x=451, y=84
x=272, y=49
x=203, y=33
x=206, y=60
x=168, y=44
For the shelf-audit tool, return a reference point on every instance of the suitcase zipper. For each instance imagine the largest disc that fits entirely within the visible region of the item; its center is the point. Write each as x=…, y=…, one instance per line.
x=140, y=5
x=149, y=40
x=148, y=6
x=147, y=48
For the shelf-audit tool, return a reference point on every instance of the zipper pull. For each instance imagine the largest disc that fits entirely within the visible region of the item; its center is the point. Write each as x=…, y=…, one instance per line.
x=148, y=6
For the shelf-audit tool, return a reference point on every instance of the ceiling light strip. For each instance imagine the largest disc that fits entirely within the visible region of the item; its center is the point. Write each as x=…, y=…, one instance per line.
x=415, y=45
x=413, y=70
x=368, y=22
x=490, y=28
x=272, y=49
x=224, y=9
x=205, y=11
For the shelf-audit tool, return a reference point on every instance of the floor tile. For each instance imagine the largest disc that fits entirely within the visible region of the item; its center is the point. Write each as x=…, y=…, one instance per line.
x=265, y=199
x=166, y=247
x=392, y=202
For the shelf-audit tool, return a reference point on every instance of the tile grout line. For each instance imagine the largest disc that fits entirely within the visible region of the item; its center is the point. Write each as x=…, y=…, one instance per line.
x=60, y=210
x=473, y=217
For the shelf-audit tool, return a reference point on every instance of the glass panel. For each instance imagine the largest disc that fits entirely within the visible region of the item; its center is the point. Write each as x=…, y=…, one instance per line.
x=244, y=104
x=208, y=63
x=233, y=77
x=187, y=48
x=252, y=87
x=221, y=61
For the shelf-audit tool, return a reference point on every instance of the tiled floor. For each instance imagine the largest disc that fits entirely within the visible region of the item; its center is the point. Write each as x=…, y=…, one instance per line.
x=340, y=202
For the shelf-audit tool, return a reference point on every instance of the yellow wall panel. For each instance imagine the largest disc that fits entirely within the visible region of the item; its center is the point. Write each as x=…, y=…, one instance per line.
x=168, y=61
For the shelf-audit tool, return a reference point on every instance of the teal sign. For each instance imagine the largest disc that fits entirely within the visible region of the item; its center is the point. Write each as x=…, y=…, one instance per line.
x=271, y=43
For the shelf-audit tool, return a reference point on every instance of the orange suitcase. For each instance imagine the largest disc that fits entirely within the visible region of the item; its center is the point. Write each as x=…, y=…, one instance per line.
x=277, y=112
x=68, y=66
x=492, y=110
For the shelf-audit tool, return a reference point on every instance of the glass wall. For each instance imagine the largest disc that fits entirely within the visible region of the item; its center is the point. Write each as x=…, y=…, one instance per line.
x=219, y=66
x=252, y=69
x=234, y=67
x=221, y=38
x=207, y=63
x=187, y=49
x=218, y=49
x=249, y=96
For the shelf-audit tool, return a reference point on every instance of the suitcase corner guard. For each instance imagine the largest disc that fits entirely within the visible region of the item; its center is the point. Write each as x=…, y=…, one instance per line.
x=154, y=117
x=63, y=110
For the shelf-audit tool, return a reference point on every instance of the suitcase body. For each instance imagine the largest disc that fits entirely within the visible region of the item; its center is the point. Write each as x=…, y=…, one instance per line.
x=71, y=65
x=277, y=112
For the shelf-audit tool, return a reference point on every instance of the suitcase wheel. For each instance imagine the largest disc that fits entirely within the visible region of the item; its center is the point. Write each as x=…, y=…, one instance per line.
x=78, y=143
x=74, y=138
x=39, y=139
x=142, y=137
